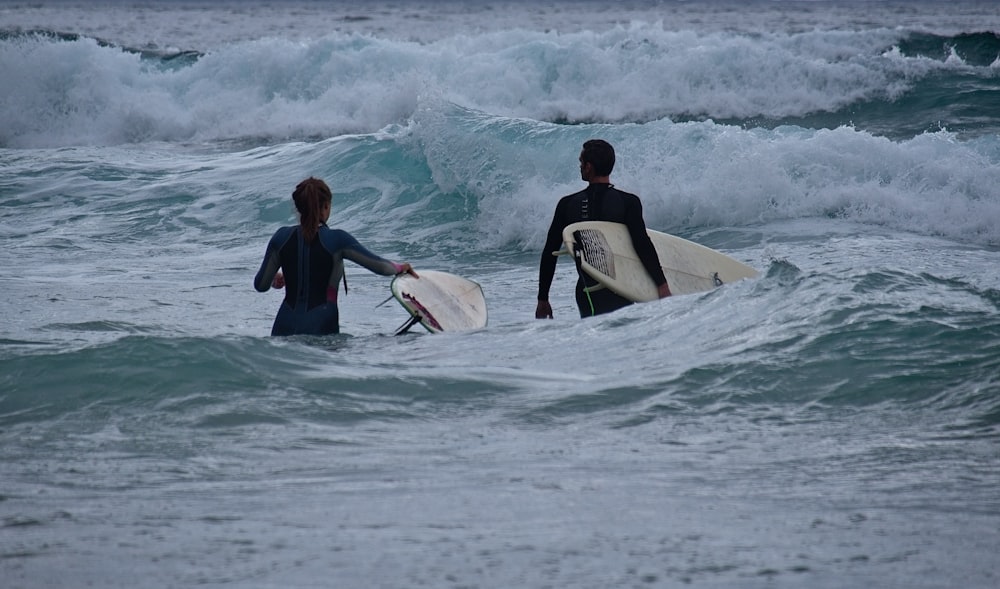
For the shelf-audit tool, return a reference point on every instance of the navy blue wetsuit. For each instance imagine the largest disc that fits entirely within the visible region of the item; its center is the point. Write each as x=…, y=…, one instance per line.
x=312, y=273
x=597, y=202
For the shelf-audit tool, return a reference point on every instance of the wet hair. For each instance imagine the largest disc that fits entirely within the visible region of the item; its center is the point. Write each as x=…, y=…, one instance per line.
x=599, y=154
x=310, y=195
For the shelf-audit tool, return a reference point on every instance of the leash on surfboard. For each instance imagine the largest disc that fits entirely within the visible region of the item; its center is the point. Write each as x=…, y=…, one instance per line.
x=413, y=320
x=405, y=327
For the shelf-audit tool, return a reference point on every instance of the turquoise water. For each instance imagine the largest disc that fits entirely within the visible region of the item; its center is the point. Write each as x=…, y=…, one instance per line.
x=832, y=423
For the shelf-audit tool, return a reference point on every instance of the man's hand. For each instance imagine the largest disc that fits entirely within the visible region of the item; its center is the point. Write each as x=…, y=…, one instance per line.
x=279, y=281
x=543, y=310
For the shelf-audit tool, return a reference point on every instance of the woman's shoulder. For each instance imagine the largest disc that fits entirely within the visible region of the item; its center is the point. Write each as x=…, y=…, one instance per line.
x=324, y=230
x=283, y=234
x=335, y=238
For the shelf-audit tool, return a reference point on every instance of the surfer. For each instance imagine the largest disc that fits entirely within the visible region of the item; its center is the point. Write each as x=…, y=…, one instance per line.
x=308, y=261
x=599, y=201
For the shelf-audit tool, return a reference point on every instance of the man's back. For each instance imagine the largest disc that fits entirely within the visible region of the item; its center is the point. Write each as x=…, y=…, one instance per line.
x=598, y=202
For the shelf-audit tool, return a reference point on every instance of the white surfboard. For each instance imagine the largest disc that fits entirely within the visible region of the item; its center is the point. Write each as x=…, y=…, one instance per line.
x=440, y=301
x=606, y=254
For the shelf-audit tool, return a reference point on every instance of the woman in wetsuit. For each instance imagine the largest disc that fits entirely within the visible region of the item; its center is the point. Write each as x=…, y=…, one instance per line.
x=307, y=260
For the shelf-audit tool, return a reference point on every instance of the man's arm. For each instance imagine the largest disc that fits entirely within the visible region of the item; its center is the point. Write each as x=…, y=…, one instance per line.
x=547, y=264
x=644, y=245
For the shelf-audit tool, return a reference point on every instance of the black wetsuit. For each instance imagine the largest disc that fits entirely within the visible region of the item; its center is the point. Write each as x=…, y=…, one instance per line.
x=597, y=202
x=312, y=273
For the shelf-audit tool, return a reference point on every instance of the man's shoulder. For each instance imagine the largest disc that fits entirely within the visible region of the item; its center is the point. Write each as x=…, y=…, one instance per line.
x=624, y=194
x=570, y=197
x=565, y=204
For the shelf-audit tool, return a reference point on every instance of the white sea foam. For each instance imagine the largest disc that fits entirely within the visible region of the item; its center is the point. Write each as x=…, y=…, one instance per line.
x=706, y=174
x=82, y=93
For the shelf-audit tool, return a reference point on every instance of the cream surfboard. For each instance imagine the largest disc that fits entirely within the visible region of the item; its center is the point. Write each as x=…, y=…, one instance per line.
x=606, y=254
x=440, y=301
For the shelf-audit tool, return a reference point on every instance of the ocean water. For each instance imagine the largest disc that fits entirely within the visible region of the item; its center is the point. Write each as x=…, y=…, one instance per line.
x=834, y=423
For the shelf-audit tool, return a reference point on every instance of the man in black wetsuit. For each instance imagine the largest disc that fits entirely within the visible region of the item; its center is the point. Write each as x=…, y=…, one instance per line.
x=599, y=201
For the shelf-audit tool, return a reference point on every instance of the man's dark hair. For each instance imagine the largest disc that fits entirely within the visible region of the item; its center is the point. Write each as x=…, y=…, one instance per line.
x=599, y=154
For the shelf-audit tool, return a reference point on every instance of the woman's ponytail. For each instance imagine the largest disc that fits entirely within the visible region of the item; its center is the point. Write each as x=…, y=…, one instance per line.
x=310, y=196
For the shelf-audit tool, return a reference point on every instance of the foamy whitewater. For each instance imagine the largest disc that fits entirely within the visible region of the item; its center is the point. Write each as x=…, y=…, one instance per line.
x=834, y=423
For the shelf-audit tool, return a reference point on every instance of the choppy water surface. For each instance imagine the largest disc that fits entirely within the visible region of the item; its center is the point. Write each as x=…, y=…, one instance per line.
x=832, y=423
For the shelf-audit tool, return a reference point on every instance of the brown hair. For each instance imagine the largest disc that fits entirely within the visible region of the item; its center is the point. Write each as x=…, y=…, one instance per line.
x=600, y=154
x=309, y=196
